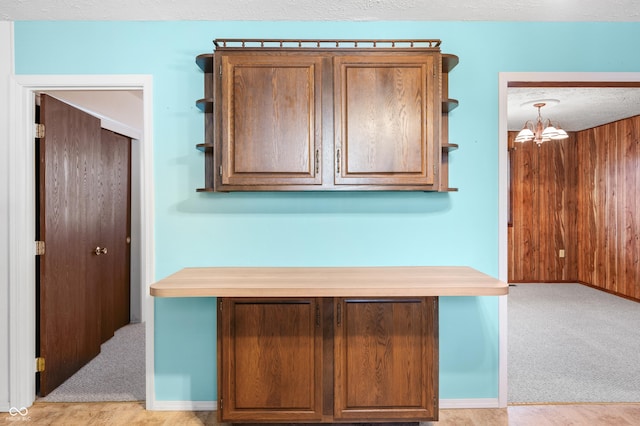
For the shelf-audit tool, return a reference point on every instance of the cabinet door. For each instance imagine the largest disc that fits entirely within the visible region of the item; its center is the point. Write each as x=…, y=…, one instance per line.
x=386, y=359
x=270, y=352
x=271, y=120
x=387, y=111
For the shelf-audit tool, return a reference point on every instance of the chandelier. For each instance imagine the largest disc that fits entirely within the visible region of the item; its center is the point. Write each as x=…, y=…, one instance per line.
x=538, y=132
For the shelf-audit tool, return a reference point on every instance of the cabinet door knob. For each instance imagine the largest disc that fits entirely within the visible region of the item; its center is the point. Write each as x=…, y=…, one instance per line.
x=98, y=251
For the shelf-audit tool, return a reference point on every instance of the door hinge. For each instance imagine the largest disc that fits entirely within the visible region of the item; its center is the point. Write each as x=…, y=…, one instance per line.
x=338, y=161
x=38, y=130
x=339, y=314
x=220, y=170
x=220, y=407
x=317, y=315
x=40, y=248
x=220, y=305
x=39, y=364
x=220, y=69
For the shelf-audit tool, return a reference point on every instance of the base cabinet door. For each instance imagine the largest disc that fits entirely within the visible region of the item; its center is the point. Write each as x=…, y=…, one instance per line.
x=271, y=360
x=386, y=359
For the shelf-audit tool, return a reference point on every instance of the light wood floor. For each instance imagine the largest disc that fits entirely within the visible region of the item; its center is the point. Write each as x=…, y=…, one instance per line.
x=133, y=413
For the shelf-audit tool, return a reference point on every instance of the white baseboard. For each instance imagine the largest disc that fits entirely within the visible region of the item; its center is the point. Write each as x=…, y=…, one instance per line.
x=469, y=403
x=213, y=405
x=184, y=406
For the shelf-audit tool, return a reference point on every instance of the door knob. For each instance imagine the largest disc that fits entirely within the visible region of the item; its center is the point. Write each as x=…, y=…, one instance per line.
x=98, y=251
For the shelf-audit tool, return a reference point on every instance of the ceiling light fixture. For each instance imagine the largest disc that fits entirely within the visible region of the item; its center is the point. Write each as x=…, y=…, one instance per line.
x=538, y=132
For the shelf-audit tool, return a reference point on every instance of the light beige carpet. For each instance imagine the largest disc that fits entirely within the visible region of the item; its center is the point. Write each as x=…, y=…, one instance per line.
x=572, y=343
x=116, y=374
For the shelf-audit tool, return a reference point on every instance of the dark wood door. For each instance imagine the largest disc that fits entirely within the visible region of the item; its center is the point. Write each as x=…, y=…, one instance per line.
x=386, y=359
x=115, y=225
x=270, y=352
x=271, y=120
x=386, y=120
x=69, y=308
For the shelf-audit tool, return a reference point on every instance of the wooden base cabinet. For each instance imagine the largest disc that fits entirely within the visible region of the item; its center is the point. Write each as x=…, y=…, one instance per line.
x=321, y=360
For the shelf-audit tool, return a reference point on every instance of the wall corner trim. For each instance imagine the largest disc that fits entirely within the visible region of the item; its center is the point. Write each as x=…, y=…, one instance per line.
x=469, y=403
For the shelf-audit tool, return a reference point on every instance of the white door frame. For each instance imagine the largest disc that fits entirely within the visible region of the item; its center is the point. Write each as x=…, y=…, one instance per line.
x=6, y=70
x=22, y=327
x=503, y=261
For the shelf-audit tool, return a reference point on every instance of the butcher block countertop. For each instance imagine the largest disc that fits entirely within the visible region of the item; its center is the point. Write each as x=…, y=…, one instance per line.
x=382, y=281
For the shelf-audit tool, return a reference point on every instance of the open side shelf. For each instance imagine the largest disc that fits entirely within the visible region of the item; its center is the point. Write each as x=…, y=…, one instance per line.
x=205, y=104
x=449, y=62
x=449, y=105
x=205, y=62
x=204, y=147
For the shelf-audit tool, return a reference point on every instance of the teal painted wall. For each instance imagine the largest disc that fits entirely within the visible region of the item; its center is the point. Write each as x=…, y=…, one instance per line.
x=323, y=229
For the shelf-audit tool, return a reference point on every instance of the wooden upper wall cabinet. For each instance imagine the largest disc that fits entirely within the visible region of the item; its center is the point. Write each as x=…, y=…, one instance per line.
x=283, y=115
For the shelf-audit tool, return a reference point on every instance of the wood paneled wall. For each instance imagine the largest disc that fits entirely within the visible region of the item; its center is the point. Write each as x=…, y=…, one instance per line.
x=609, y=207
x=543, y=203
x=582, y=195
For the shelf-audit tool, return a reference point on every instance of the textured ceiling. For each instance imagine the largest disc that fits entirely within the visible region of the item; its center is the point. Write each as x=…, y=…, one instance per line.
x=576, y=108
x=323, y=10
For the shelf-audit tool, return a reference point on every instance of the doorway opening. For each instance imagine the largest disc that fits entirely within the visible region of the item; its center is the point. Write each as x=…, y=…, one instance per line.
x=550, y=79
x=559, y=188
x=559, y=80
x=22, y=217
x=83, y=274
